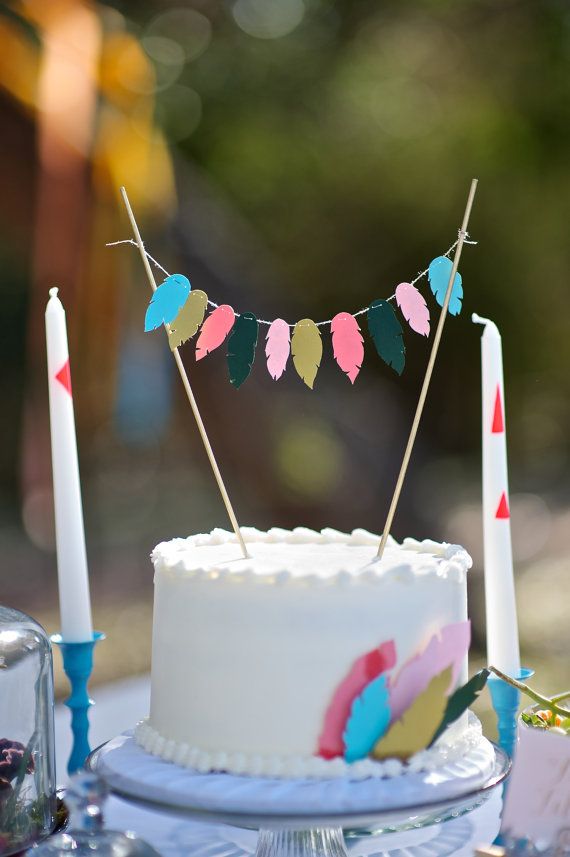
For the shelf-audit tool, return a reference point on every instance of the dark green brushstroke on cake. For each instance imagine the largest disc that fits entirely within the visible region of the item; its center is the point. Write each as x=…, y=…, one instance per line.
x=460, y=700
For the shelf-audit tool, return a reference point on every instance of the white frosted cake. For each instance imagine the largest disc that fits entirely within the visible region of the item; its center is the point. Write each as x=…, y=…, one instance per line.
x=259, y=664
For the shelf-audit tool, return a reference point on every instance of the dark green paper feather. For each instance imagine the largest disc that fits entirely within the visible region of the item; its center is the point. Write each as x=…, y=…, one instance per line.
x=460, y=701
x=241, y=347
x=386, y=332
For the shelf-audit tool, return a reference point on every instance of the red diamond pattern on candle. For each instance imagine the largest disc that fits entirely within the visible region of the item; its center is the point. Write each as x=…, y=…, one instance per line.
x=503, y=508
x=64, y=376
x=498, y=421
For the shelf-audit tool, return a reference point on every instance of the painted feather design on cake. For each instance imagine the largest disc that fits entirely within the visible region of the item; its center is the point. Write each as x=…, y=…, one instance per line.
x=414, y=730
x=364, y=670
x=167, y=301
x=348, y=344
x=413, y=307
x=189, y=319
x=369, y=719
x=214, y=330
x=448, y=648
x=461, y=700
x=278, y=347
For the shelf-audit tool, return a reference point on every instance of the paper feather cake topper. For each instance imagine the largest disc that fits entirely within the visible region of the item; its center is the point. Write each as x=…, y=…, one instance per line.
x=184, y=310
x=439, y=272
x=376, y=714
x=278, y=347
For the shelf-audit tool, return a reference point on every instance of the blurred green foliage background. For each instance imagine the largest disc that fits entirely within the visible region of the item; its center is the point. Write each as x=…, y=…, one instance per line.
x=294, y=158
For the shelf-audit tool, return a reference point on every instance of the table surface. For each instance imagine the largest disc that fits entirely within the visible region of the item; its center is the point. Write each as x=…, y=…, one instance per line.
x=121, y=704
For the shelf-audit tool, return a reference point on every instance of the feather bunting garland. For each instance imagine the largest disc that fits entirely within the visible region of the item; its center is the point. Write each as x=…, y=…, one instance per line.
x=189, y=319
x=414, y=730
x=461, y=700
x=414, y=308
x=241, y=348
x=167, y=301
x=278, y=347
x=363, y=671
x=348, y=344
x=387, y=335
x=439, y=272
x=214, y=330
x=448, y=648
x=368, y=721
x=307, y=350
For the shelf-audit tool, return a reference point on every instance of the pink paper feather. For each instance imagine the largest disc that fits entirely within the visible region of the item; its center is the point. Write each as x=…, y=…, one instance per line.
x=364, y=670
x=414, y=308
x=278, y=347
x=214, y=330
x=448, y=648
x=348, y=344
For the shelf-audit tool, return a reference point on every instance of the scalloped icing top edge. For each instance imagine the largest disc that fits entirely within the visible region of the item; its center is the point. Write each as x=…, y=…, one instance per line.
x=405, y=562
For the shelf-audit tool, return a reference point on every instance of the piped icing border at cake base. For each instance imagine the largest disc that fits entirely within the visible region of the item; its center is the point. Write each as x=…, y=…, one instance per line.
x=445, y=750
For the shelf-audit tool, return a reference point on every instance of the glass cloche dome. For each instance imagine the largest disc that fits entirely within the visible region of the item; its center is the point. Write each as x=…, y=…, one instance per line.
x=27, y=758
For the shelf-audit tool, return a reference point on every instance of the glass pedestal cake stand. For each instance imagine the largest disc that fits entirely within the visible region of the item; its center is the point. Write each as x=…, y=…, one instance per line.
x=288, y=825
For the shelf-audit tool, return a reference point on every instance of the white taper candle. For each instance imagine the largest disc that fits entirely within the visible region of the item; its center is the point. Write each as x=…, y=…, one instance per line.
x=74, y=602
x=500, y=604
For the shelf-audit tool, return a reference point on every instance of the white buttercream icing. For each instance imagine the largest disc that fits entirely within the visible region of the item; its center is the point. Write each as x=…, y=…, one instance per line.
x=248, y=653
x=308, y=556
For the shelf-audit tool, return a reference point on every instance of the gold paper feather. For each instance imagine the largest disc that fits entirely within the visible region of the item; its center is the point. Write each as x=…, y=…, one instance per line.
x=189, y=319
x=307, y=350
x=417, y=726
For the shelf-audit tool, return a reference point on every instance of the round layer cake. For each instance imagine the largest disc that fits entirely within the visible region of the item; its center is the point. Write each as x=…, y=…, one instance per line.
x=256, y=663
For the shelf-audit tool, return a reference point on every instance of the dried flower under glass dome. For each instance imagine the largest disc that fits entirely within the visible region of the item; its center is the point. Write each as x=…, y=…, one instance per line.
x=27, y=759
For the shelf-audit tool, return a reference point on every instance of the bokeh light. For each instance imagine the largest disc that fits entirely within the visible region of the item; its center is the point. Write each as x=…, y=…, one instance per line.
x=268, y=19
x=168, y=58
x=178, y=112
x=308, y=457
x=187, y=28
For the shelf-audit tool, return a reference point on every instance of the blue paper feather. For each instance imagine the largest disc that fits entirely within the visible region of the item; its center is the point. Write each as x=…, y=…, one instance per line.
x=368, y=721
x=167, y=301
x=439, y=272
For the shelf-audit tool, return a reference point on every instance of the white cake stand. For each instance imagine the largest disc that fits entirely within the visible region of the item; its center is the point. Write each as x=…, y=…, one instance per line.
x=296, y=818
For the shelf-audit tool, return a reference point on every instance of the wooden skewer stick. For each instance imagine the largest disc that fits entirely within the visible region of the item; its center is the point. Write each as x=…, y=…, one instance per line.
x=188, y=388
x=429, y=370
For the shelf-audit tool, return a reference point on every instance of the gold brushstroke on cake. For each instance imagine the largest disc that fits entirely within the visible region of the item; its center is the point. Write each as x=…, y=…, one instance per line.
x=417, y=726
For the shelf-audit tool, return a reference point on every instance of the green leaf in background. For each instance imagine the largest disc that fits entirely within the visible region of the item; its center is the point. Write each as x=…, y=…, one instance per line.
x=386, y=332
x=241, y=348
x=460, y=700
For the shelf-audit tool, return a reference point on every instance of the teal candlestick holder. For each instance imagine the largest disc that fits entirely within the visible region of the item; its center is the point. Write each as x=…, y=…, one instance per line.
x=78, y=664
x=506, y=699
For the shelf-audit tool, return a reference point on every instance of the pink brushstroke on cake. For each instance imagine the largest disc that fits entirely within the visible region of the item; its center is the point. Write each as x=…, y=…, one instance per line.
x=363, y=671
x=414, y=308
x=214, y=330
x=448, y=648
x=278, y=347
x=348, y=345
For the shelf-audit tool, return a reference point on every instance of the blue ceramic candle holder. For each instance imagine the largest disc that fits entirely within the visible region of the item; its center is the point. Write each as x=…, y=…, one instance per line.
x=506, y=699
x=78, y=664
